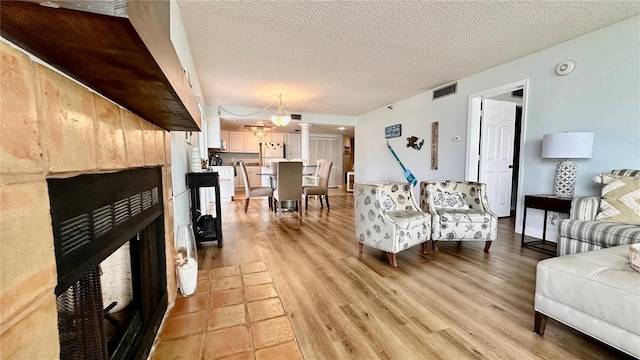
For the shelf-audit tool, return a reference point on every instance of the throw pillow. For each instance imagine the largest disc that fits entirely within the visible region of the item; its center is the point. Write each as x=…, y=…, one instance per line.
x=387, y=202
x=445, y=200
x=620, y=199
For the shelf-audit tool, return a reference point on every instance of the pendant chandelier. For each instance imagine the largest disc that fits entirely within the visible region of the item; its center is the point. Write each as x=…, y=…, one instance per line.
x=281, y=117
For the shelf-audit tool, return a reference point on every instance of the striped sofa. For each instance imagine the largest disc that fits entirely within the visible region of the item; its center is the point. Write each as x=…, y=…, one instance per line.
x=581, y=233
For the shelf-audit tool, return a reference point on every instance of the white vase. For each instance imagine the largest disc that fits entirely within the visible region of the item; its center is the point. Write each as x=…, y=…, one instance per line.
x=186, y=260
x=196, y=162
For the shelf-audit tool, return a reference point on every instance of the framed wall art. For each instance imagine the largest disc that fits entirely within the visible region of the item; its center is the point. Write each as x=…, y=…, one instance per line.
x=393, y=131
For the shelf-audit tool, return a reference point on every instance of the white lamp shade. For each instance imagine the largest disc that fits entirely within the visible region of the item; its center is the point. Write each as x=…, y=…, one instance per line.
x=567, y=145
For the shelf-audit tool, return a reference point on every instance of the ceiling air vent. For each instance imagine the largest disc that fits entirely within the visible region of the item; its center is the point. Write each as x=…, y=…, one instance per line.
x=445, y=90
x=296, y=117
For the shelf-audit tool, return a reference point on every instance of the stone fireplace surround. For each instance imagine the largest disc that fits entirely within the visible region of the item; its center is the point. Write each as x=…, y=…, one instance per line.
x=52, y=127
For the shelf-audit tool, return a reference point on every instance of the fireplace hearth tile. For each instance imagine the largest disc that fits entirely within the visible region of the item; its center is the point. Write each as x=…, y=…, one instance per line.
x=253, y=267
x=271, y=332
x=265, y=309
x=193, y=303
x=204, y=274
x=225, y=271
x=204, y=286
x=289, y=351
x=259, y=292
x=185, y=348
x=226, y=342
x=244, y=319
x=183, y=325
x=243, y=356
x=227, y=316
x=225, y=298
x=226, y=283
x=257, y=278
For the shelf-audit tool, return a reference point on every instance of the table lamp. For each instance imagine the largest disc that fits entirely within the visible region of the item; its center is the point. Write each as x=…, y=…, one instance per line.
x=567, y=145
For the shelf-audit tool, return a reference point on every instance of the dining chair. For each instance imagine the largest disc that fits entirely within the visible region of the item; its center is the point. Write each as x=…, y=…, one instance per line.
x=314, y=180
x=322, y=188
x=305, y=163
x=251, y=191
x=289, y=185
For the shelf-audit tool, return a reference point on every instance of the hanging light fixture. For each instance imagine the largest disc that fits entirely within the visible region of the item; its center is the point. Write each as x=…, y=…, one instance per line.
x=260, y=131
x=281, y=117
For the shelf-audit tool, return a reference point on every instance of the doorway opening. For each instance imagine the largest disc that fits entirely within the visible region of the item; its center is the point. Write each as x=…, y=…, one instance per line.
x=474, y=160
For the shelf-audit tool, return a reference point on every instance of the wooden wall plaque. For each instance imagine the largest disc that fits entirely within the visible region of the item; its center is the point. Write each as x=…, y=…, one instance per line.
x=434, y=145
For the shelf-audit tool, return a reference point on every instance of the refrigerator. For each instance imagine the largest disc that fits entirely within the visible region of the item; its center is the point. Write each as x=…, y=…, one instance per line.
x=271, y=150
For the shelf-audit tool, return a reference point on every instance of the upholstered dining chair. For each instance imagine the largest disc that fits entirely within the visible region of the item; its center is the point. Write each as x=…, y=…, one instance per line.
x=273, y=165
x=322, y=188
x=459, y=211
x=388, y=218
x=254, y=191
x=289, y=185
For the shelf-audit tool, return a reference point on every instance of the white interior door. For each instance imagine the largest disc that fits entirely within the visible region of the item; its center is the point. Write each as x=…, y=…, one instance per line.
x=496, y=153
x=327, y=148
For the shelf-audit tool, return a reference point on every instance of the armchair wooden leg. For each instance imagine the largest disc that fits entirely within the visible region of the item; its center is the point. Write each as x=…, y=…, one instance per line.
x=246, y=205
x=320, y=197
x=326, y=199
x=306, y=202
x=540, y=323
x=270, y=202
x=487, y=245
x=299, y=206
x=360, y=245
x=393, y=261
x=435, y=246
x=423, y=247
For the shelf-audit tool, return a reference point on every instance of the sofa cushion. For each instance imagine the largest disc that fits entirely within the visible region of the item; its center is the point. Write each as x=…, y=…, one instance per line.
x=592, y=292
x=407, y=219
x=620, y=199
x=605, y=234
x=464, y=216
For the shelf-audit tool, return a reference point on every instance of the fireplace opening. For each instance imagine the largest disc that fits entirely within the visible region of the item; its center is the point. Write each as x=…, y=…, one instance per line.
x=110, y=254
x=117, y=295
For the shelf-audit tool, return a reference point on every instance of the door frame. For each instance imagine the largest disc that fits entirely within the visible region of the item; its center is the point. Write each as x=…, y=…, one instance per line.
x=473, y=133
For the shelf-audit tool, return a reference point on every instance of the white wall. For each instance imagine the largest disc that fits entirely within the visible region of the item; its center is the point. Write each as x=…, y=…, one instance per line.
x=602, y=95
x=179, y=147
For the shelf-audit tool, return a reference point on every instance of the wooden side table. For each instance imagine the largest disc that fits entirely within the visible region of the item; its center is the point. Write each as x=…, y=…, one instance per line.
x=351, y=179
x=195, y=181
x=546, y=203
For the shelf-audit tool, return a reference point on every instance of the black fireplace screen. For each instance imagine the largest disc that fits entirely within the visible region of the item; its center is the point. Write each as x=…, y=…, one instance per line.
x=80, y=320
x=93, y=216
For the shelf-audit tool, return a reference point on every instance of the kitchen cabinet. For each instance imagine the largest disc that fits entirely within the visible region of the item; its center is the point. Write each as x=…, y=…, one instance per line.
x=236, y=141
x=239, y=181
x=224, y=140
x=243, y=142
x=213, y=133
x=252, y=174
x=251, y=143
x=293, y=147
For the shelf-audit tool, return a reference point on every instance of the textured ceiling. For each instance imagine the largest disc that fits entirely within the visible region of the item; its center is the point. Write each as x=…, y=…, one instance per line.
x=348, y=58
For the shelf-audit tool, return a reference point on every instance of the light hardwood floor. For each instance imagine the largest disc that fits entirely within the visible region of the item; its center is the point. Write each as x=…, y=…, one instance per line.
x=457, y=304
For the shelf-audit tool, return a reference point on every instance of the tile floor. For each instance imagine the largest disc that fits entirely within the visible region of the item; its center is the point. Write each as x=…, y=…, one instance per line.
x=235, y=314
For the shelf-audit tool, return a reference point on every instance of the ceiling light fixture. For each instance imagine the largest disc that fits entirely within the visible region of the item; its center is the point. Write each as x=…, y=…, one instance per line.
x=260, y=131
x=281, y=117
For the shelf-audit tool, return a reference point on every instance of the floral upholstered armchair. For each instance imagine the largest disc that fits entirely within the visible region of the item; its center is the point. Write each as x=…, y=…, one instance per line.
x=388, y=218
x=459, y=212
